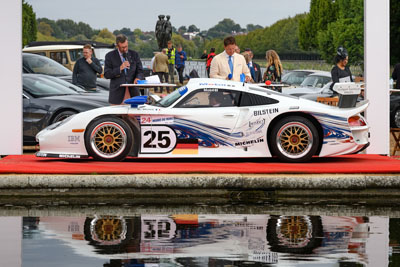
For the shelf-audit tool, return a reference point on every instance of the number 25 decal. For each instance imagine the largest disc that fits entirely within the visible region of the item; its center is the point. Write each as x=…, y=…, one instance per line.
x=157, y=139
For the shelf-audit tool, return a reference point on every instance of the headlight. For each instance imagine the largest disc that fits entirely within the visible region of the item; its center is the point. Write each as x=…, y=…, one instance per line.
x=59, y=123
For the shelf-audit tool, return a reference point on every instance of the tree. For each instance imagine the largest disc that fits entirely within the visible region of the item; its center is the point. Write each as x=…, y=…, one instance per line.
x=182, y=30
x=322, y=12
x=347, y=31
x=252, y=27
x=104, y=36
x=45, y=28
x=68, y=27
x=193, y=28
x=29, y=28
x=224, y=28
x=57, y=33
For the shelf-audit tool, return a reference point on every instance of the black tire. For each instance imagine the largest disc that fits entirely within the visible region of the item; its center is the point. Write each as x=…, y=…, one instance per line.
x=108, y=139
x=396, y=118
x=63, y=115
x=294, y=139
x=294, y=234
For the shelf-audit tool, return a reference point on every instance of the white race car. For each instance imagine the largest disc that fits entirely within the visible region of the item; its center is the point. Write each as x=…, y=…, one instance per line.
x=210, y=118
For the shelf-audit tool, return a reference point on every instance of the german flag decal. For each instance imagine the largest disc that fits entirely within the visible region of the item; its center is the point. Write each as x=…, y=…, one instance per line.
x=186, y=146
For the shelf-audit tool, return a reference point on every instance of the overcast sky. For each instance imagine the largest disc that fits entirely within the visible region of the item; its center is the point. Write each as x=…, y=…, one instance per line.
x=143, y=14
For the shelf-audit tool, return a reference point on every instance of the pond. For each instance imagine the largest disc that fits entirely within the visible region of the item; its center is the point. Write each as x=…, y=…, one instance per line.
x=124, y=232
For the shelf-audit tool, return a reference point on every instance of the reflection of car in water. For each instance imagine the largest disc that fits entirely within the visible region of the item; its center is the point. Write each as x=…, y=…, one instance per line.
x=255, y=238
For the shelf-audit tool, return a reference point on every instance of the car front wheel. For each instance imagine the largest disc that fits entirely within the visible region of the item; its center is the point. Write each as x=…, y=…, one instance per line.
x=108, y=139
x=294, y=139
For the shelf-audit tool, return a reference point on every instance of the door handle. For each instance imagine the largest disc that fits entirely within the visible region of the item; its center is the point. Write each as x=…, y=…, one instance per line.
x=230, y=115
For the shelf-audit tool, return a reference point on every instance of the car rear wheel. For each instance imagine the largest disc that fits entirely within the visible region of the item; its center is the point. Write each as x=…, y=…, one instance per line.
x=108, y=139
x=294, y=139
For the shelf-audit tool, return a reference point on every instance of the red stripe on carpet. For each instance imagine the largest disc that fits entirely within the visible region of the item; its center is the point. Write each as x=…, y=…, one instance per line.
x=341, y=164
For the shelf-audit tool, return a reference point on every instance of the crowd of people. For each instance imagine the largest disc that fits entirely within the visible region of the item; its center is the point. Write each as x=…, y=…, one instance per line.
x=123, y=66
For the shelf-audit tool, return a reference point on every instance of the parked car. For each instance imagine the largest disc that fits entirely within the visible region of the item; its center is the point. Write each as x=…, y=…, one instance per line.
x=210, y=118
x=46, y=102
x=32, y=63
x=295, y=77
x=66, y=55
x=72, y=86
x=312, y=84
x=67, y=52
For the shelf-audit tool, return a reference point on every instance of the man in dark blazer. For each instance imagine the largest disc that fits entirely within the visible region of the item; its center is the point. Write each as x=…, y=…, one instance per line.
x=257, y=70
x=122, y=66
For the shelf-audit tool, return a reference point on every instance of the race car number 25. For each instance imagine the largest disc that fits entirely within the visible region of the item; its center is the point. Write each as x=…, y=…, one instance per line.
x=157, y=139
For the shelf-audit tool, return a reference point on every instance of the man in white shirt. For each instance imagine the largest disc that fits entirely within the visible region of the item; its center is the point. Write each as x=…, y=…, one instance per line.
x=229, y=65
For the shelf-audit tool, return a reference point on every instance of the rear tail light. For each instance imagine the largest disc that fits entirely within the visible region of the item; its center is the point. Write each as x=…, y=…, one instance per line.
x=356, y=121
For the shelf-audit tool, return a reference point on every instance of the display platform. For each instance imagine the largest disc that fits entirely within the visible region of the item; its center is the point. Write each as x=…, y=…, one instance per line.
x=349, y=164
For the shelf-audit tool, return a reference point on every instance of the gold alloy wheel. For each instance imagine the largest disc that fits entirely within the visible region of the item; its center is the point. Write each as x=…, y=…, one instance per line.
x=108, y=230
x=294, y=139
x=108, y=139
x=294, y=231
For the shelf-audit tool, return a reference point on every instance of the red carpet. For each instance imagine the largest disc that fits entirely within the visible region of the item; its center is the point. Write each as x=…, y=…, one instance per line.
x=341, y=164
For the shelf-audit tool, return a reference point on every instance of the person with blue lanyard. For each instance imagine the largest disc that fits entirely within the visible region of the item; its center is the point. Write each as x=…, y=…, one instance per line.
x=229, y=65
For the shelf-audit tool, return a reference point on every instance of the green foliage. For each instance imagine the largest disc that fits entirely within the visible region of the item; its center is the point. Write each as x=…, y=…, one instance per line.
x=42, y=38
x=193, y=28
x=331, y=24
x=252, y=27
x=104, y=36
x=394, y=31
x=281, y=36
x=45, y=28
x=29, y=28
x=224, y=28
x=322, y=12
x=188, y=46
x=57, y=32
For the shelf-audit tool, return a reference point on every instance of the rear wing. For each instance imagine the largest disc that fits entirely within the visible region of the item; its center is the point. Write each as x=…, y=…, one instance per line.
x=348, y=93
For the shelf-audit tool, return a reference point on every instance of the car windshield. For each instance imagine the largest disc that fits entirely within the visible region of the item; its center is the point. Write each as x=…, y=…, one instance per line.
x=100, y=53
x=43, y=65
x=171, y=98
x=65, y=83
x=295, y=77
x=315, y=81
x=42, y=87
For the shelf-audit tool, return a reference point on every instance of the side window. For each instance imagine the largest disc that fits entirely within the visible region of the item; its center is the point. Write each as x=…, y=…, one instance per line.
x=248, y=99
x=209, y=98
x=40, y=53
x=75, y=54
x=60, y=57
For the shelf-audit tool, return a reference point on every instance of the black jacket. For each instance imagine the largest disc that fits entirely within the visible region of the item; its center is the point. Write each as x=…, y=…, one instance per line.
x=85, y=74
x=111, y=71
x=338, y=74
x=257, y=70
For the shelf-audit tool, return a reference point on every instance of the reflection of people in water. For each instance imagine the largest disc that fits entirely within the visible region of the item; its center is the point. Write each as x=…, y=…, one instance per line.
x=215, y=99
